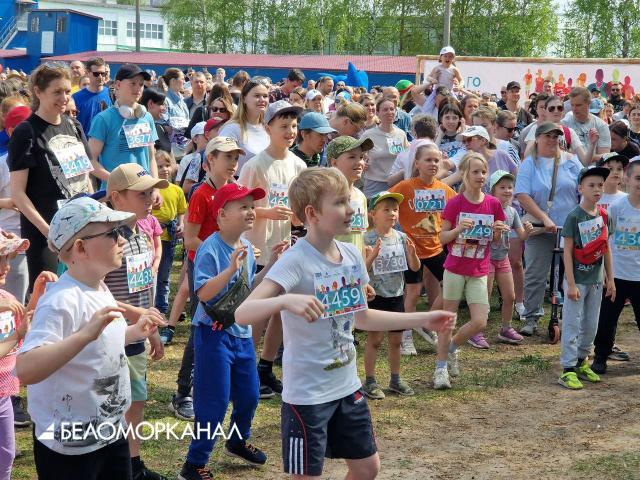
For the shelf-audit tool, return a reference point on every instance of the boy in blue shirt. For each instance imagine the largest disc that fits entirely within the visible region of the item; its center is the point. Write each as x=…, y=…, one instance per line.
x=224, y=356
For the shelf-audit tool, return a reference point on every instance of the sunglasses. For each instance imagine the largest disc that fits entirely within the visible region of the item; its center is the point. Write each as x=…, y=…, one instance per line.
x=218, y=109
x=123, y=231
x=99, y=74
x=553, y=108
x=503, y=92
x=510, y=129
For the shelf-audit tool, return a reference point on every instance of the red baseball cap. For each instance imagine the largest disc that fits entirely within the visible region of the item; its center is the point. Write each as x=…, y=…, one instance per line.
x=231, y=192
x=213, y=123
x=16, y=116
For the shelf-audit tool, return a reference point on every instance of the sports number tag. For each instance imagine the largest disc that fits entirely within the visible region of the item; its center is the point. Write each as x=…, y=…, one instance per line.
x=359, y=222
x=138, y=134
x=627, y=235
x=139, y=273
x=179, y=123
x=482, y=226
x=395, y=146
x=73, y=160
x=428, y=201
x=590, y=230
x=7, y=324
x=391, y=258
x=278, y=195
x=340, y=291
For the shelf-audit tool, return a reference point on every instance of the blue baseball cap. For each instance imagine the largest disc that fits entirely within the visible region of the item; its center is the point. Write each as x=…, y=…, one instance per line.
x=596, y=106
x=317, y=122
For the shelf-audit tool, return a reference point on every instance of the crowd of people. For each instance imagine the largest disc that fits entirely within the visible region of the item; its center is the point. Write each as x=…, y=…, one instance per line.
x=305, y=209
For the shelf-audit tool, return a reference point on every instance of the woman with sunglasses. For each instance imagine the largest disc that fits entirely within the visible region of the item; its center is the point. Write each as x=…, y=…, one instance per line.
x=553, y=111
x=533, y=190
x=219, y=105
x=48, y=162
x=245, y=126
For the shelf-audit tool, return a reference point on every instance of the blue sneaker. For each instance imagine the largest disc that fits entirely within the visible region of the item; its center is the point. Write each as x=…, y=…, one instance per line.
x=247, y=452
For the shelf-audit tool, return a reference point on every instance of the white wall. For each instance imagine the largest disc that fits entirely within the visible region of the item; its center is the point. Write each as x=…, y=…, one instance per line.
x=120, y=13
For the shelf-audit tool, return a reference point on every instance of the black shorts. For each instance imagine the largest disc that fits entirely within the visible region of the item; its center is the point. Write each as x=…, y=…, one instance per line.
x=434, y=264
x=388, y=304
x=338, y=429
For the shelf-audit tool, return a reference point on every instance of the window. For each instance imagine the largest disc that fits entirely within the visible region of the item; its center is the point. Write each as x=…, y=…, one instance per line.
x=147, y=30
x=61, y=24
x=35, y=24
x=108, y=28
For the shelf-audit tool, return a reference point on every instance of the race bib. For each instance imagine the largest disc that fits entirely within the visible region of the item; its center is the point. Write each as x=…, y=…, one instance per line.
x=428, y=201
x=179, y=123
x=278, y=195
x=590, y=230
x=138, y=134
x=359, y=222
x=340, y=290
x=391, y=259
x=139, y=273
x=73, y=160
x=7, y=324
x=627, y=235
x=482, y=226
x=395, y=146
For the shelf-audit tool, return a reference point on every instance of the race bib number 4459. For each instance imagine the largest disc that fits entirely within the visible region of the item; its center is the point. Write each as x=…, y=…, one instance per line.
x=340, y=290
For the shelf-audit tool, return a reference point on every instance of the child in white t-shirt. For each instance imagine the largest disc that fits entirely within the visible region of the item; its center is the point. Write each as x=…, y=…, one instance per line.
x=73, y=358
x=319, y=288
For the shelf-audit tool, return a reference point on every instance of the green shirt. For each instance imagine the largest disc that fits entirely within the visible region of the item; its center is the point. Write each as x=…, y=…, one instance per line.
x=312, y=161
x=584, y=228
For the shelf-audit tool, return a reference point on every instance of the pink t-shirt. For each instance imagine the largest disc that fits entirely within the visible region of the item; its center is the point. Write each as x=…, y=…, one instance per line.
x=468, y=254
x=9, y=384
x=151, y=226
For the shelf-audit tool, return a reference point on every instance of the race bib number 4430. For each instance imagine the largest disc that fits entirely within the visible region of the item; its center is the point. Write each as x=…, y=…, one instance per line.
x=627, y=235
x=340, y=290
x=139, y=272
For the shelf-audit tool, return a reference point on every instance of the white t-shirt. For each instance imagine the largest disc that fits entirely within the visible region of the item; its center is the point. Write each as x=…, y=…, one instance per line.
x=575, y=139
x=9, y=218
x=610, y=198
x=255, y=140
x=386, y=147
x=625, y=240
x=582, y=129
x=93, y=387
x=319, y=360
x=185, y=163
x=274, y=177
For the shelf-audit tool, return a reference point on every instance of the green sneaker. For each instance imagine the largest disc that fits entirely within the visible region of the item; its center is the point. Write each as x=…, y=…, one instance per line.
x=570, y=380
x=373, y=391
x=585, y=373
x=401, y=388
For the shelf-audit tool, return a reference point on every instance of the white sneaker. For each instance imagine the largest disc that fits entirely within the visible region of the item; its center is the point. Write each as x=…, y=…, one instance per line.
x=407, y=347
x=441, y=379
x=430, y=337
x=452, y=363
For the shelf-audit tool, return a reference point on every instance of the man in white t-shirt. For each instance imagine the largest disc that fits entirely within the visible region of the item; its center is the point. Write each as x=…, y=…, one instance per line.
x=584, y=123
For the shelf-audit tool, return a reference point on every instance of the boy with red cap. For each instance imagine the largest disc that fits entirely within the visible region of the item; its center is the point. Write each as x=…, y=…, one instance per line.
x=224, y=357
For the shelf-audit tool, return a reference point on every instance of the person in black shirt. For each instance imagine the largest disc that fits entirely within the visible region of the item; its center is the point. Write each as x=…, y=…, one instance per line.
x=48, y=162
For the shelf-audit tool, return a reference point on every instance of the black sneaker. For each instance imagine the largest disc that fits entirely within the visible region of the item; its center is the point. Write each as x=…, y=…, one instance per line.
x=20, y=417
x=266, y=393
x=191, y=472
x=270, y=380
x=599, y=365
x=146, y=474
x=182, y=407
x=247, y=452
x=618, y=355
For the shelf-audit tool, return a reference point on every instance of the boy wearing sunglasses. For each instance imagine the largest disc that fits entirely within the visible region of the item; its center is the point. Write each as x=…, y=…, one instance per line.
x=130, y=188
x=73, y=358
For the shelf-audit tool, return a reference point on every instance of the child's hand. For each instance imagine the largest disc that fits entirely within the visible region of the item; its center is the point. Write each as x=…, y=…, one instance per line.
x=237, y=258
x=370, y=292
x=278, y=249
x=528, y=227
x=464, y=224
x=157, y=348
x=610, y=284
x=573, y=293
x=441, y=321
x=305, y=306
x=154, y=268
x=411, y=247
x=179, y=230
x=13, y=306
x=373, y=252
x=25, y=324
x=278, y=212
x=501, y=227
x=594, y=135
x=100, y=320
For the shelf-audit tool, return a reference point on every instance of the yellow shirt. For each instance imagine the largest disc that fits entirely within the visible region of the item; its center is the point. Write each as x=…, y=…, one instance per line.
x=174, y=203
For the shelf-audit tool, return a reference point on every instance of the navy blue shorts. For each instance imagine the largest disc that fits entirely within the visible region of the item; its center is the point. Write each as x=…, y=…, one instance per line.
x=338, y=429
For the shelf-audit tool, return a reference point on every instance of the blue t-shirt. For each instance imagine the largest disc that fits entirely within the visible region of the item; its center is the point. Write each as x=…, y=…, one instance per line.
x=90, y=104
x=4, y=142
x=108, y=127
x=212, y=258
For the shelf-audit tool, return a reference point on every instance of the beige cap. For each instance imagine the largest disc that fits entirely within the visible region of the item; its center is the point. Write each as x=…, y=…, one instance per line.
x=131, y=176
x=223, y=144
